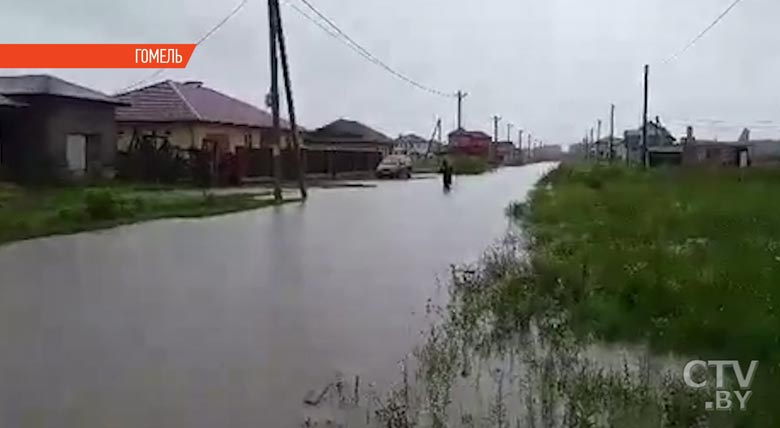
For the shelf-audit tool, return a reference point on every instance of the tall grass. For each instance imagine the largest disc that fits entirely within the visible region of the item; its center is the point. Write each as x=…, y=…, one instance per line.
x=684, y=260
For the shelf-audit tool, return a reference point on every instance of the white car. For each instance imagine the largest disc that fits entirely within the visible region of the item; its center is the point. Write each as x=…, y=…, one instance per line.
x=395, y=166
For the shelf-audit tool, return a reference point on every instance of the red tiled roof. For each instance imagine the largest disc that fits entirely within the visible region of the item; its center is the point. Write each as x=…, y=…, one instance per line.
x=171, y=101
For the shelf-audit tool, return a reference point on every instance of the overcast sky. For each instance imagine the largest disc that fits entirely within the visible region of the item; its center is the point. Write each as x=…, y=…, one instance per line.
x=551, y=67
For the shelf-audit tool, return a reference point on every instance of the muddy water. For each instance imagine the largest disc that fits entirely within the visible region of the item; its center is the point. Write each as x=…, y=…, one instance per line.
x=230, y=321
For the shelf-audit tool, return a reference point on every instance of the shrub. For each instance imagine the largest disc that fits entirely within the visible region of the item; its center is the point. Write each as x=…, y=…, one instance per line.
x=101, y=205
x=469, y=165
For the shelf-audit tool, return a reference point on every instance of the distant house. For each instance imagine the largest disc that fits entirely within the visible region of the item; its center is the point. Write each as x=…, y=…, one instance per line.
x=657, y=136
x=470, y=143
x=601, y=149
x=760, y=151
x=345, y=146
x=51, y=129
x=715, y=153
x=712, y=153
x=545, y=153
x=193, y=116
x=416, y=146
x=505, y=152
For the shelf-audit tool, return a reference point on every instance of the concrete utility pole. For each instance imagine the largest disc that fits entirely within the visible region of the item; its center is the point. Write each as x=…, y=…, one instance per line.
x=612, y=133
x=530, y=147
x=598, y=133
x=592, y=141
x=273, y=100
x=520, y=138
x=461, y=95
x=509, y=127
x=496, y=119
x=296, y=143
x=645, y=160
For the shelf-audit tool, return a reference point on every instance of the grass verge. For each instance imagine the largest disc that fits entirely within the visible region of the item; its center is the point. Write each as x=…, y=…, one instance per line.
x=469, y=165
x=29, y=213
x=686, y=261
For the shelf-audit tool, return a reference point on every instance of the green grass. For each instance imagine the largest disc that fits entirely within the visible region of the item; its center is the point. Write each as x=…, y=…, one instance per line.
x=686, y=261
x=469, y=165
x=34, y=212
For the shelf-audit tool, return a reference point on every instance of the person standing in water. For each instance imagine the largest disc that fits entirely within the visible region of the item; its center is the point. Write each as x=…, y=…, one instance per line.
x=446, y=174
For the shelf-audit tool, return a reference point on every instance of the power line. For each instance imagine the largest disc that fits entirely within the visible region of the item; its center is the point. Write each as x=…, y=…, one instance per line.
x=349, y=41
x=202, y=39
x=703, y=33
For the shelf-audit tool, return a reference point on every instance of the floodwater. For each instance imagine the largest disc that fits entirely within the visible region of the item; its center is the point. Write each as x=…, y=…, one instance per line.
x=229, y=321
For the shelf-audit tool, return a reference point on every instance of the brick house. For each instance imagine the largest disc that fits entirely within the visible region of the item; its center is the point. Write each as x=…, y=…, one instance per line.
x=471, y=143
x=192, y=115
x=51, y=129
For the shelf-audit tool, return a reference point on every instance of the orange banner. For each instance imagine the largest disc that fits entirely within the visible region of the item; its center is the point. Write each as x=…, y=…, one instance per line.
x=95, y=55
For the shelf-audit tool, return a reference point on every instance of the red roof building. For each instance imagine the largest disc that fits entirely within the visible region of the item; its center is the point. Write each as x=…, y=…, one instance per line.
x=470, y=143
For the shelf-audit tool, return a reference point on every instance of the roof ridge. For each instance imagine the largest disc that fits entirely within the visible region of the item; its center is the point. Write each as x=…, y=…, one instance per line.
x=175, y=87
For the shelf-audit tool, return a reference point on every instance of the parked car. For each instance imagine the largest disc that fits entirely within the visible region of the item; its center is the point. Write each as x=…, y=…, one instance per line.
x=395, y=166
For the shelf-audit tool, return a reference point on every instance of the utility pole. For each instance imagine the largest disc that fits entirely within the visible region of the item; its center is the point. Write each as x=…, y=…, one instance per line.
x=273, y=100
x=509, y=127
x=598, y=133
x=296, y=143
x=461, y=95
x=645, y=159
x=496, y=119
x=530, y=147
x=436, y=132
x=585, y=141
x=591, y=141
x=520, y=138
x=612, y=133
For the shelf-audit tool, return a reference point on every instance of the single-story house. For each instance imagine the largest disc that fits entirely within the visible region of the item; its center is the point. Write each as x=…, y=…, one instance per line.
x=235, y=135
x=193, y=116
x=52, y=129
x=345, y=146
x=713, y=153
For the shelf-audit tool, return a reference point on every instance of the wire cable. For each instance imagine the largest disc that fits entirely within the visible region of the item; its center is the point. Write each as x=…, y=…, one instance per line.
x=349, y=41
x=202, y=39
x=703, y=33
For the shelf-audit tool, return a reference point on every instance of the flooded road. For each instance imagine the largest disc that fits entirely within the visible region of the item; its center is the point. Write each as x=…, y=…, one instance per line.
x=229, y=321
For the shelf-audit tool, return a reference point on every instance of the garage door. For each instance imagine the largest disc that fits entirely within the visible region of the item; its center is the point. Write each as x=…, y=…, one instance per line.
x=77, y=152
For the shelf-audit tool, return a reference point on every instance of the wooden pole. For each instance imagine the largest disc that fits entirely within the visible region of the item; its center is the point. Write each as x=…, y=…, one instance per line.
x=612, y=133
x=645, y=160
x=296, y=143
x=274, y=101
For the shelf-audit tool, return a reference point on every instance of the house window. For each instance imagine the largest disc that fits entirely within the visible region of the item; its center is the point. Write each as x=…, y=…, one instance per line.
x=248, y=140
x=76, y=152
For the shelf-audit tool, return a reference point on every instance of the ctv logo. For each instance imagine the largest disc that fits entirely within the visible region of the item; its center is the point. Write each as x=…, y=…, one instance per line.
x=724, y=397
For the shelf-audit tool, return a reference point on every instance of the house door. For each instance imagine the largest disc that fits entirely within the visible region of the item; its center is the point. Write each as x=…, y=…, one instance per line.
x=76, y=152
